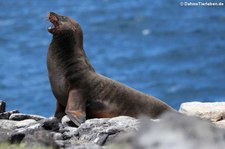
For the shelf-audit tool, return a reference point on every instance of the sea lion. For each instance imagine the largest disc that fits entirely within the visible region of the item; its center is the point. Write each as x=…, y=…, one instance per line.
x=81, y=93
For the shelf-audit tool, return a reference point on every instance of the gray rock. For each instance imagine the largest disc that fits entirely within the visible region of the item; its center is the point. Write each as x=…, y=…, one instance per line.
x=2, y=106
x=67, y=122
x=31, y=128
x=104, y=131
x=63, y=144
x=35, y=126
x=213, y=111
x=16, y=137
x=85, y=146
x=178, y=131
x=10, y=136
x=25, y=123
x=5, y=134
x=6, y=115
x=220, y=124
x=69, y=132
x=41, y=137
x=20, y=116
x=8, y=124
x=50, y=124
x=57, y=136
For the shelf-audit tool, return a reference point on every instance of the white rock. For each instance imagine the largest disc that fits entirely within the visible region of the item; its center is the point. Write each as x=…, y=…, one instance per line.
x=177, y=131
x=220, y=124
x=213, y=111
x=8, y=124
x=25, y=123
x=67, y=122
x=103, y=131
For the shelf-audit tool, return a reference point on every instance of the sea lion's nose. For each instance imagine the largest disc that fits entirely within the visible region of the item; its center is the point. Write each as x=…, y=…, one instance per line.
x=52, y=13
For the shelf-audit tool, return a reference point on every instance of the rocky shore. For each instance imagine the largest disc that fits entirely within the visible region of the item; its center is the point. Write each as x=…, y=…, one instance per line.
x=197, y=125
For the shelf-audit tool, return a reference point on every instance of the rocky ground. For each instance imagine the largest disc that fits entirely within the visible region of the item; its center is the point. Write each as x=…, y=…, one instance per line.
x=203, y=128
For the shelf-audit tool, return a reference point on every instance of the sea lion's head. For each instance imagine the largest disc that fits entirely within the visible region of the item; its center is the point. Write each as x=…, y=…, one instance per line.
x=64, y=27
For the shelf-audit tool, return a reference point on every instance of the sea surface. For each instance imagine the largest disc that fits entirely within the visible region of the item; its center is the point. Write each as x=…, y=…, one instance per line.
x=173, y=52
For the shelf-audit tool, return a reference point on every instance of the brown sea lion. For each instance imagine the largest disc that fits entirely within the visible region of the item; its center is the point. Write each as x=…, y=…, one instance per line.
x=82, y=93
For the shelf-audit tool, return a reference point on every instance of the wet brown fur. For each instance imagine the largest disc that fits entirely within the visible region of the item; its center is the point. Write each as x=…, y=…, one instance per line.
x=81, y=93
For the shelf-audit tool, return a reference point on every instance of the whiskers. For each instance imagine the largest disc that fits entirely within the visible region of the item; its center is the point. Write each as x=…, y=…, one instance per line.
x=47, y=22
x=46, y=18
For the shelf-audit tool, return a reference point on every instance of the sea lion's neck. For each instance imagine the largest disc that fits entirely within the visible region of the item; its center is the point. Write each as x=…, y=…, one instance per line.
x=70, y=56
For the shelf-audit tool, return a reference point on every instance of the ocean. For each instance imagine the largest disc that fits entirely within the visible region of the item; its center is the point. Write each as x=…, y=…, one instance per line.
x=175, y=53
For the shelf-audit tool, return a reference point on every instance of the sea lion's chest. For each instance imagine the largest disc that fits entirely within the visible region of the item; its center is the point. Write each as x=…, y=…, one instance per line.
x=57, y=79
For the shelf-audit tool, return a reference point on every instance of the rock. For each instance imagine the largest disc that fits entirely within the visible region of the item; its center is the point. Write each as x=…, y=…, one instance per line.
x=4, y=135
x=41, y=137
x=25, y=123
x=173, y=130
x=20, y=116
x=8, y=124
x=50, y=124
x=129, y=123
x=214, y=111
x=57, y=136
x=63, y=144
x=220, y=124
x=16, y=137
x=104, y=131
x=69, y=132
x=35, y=126
x=18, y=129
x=6, y=115
x=85, y=146
x=178, y=131
x=11, y=136
x=2, y=106
x=29, y=129
x=67, y=122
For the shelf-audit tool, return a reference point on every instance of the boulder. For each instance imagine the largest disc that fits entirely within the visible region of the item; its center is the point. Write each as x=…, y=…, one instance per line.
x=67, y=122
x=21, y=116
x=16, y=137
x=50, y=124
x=5, y=134
x=212, y=111
x=2, y=106
x=103, y=131
x=41, y=137
x=25, y=123
x=69, y=132
x=8, y=124
x=178, y=131
x=220, y=124
x=6, y=115
x=86, y=146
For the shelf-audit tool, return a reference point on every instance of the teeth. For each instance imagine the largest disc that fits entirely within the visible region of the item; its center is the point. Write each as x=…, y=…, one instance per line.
x=51, y=27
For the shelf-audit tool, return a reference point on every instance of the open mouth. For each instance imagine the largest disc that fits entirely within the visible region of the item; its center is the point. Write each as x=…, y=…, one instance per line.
x=53, y=18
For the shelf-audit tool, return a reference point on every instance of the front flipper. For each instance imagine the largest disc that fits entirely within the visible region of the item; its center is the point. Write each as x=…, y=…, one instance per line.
x=60, y=111
x=76, y=106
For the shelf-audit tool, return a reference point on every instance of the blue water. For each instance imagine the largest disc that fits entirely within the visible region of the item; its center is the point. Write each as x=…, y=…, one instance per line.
x=174, y=53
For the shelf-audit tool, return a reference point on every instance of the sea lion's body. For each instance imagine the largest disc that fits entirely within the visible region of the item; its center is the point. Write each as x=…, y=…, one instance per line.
x=82, y=93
